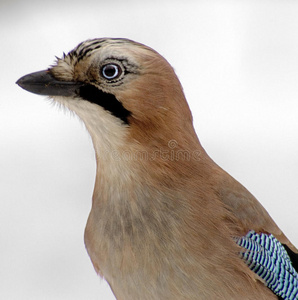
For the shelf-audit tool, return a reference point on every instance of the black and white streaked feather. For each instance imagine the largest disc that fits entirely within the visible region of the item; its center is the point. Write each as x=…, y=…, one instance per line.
x=268, y=258
x=86, y=48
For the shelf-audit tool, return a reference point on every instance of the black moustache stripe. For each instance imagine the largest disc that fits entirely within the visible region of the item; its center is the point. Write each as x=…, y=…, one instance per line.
x=105, y=100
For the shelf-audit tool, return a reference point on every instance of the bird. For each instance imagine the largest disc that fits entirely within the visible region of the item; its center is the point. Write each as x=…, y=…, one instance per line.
x=166, y=221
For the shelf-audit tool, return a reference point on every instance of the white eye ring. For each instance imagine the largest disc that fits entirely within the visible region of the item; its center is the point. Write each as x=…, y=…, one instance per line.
x=111, y=71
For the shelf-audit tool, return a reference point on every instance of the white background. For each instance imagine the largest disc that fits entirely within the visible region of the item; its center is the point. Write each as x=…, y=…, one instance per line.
x=238, y=63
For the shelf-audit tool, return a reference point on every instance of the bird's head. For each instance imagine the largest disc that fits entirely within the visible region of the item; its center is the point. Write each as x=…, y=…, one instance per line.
x=117, y=85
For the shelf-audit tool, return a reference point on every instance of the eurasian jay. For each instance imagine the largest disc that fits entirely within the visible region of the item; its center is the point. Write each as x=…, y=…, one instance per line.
x=166, y=221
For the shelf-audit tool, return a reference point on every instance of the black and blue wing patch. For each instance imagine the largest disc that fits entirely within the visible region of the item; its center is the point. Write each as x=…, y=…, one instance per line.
x=268, y=258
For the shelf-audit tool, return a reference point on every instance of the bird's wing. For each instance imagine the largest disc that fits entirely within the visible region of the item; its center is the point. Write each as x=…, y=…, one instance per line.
x=266, y=250
x=268, y=258
x=248, y=210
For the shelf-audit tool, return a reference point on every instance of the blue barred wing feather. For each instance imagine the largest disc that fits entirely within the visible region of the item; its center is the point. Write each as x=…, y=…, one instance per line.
x=269, y=259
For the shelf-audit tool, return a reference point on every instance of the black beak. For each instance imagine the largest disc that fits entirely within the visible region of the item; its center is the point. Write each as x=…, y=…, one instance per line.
x=44, y=83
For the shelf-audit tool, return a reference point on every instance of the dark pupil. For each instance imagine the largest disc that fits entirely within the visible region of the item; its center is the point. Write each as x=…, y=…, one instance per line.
x=110, y=71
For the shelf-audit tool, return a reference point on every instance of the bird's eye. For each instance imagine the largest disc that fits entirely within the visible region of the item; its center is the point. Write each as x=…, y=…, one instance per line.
x=111, y=71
